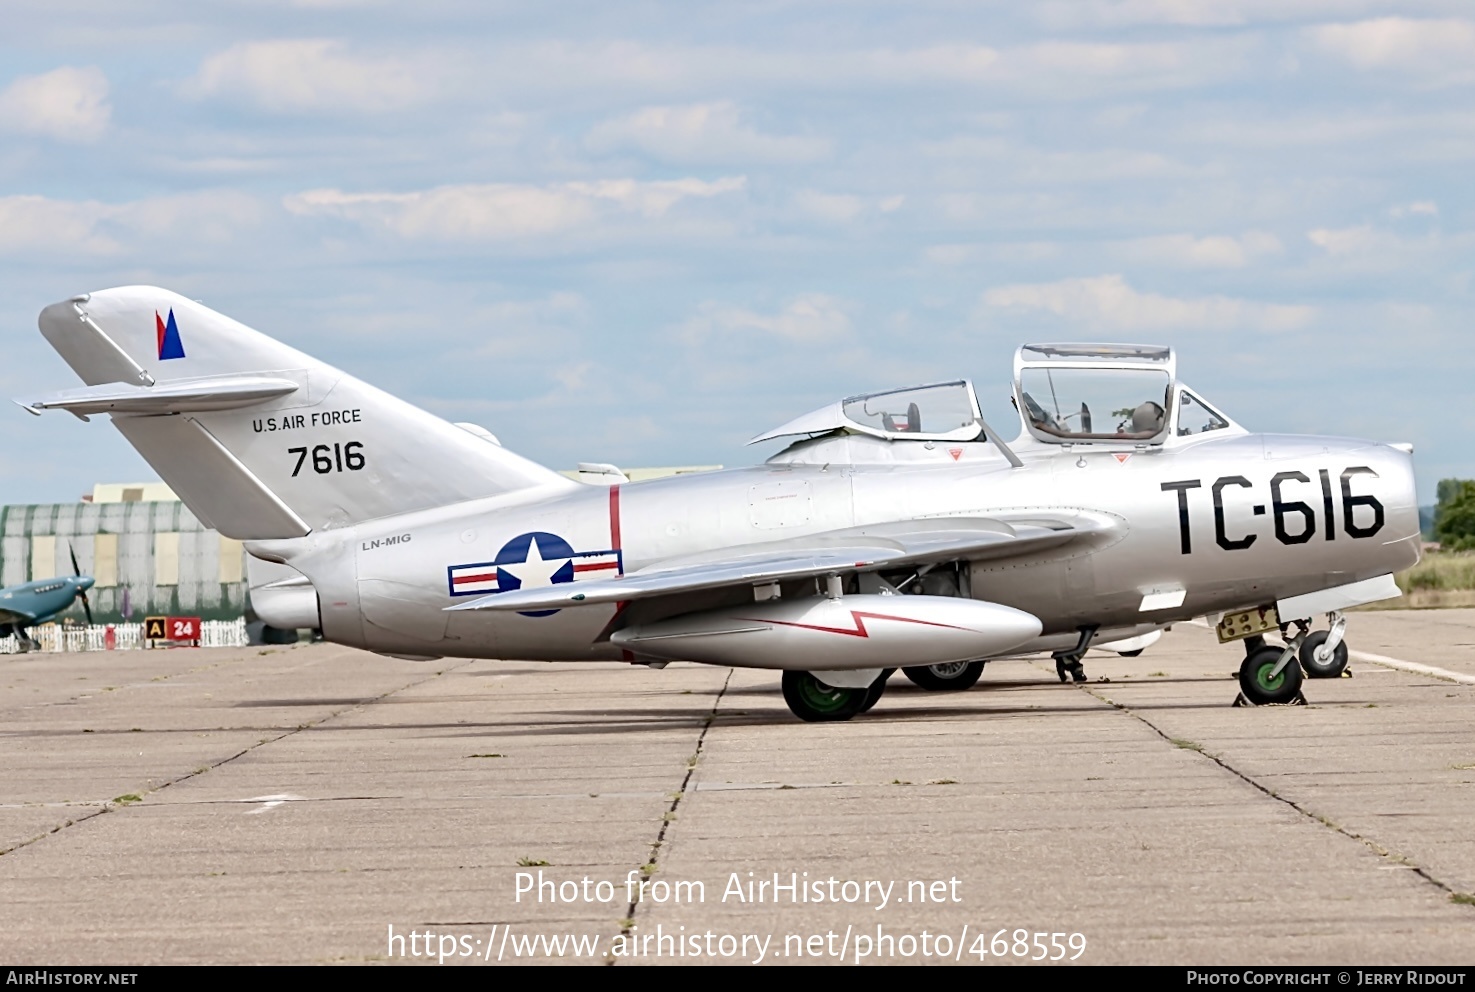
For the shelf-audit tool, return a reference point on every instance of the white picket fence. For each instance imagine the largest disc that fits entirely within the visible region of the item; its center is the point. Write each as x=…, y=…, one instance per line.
x=128, y=636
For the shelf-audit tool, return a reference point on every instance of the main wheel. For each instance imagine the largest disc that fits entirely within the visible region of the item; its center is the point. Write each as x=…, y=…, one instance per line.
x=815, y=702
x=877, y=689
x=1257, y=684
x=1315, y=667
x=946, y=678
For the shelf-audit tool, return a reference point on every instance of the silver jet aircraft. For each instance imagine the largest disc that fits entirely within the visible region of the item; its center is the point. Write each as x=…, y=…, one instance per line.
x=896, y=530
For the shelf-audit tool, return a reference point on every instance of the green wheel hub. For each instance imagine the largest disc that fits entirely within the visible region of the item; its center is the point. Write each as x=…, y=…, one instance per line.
x=824, y=698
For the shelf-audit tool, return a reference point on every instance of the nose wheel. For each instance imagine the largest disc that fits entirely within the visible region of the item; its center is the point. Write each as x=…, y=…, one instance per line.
x=1271, y=676
x=1324, y=653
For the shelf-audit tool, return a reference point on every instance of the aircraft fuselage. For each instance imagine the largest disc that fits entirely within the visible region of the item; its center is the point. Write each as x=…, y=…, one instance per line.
x=1231, y=522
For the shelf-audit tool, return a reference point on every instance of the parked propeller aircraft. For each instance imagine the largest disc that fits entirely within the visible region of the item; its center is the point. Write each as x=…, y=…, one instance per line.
x=37, y=601
x=896, y=529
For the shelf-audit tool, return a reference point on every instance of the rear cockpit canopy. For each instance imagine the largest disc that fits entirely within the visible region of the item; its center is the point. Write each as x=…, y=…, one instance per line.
x=1106, y=393
x=941, y=411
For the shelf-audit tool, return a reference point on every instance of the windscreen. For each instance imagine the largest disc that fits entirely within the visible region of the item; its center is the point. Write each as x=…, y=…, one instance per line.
x=1095, y=404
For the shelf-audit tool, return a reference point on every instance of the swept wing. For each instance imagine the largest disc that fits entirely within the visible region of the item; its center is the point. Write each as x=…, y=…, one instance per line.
x=857, y=549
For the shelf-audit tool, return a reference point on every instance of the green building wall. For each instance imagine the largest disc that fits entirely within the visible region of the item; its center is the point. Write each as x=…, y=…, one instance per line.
x=199, y=590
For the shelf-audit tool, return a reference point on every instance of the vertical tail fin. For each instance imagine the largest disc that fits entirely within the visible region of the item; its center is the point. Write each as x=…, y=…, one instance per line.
x=260, y=440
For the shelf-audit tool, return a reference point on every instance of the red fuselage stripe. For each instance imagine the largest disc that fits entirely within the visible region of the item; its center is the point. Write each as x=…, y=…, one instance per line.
x=614, y=517
x=479, y=577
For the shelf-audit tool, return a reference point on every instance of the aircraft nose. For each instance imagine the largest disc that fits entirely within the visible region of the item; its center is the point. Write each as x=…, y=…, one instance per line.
x=85, y=582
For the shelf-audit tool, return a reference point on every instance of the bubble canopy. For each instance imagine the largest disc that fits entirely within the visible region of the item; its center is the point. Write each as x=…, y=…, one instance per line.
x=1069, y=393
x=940, y=411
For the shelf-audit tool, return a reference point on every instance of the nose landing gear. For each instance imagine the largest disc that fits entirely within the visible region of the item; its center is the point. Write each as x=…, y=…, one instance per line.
x=1271, y=676
x=1324, y=653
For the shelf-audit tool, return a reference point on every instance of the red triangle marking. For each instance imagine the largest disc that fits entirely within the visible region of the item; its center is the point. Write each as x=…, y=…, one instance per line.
x=956, y=453
x=1122, y=456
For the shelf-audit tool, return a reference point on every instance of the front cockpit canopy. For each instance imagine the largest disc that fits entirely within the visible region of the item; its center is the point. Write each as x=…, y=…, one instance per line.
x=942, y=411
x=1086, y=393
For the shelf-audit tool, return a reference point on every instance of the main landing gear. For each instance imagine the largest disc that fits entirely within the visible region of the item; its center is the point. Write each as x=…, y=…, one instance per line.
x=1068, y=663
x=949, y=677
x=24, y=642
x=814, y=701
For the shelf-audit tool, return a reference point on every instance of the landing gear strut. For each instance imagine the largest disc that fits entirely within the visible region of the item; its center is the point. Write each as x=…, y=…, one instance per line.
x=1069, y=662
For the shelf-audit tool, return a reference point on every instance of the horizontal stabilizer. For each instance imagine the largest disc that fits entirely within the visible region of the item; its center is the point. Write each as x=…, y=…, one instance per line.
x=227, y=392
x=225, y=494
x=858, y=549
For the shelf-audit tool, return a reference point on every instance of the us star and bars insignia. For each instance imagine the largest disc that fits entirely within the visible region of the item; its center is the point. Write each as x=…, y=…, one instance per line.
x=531, y=560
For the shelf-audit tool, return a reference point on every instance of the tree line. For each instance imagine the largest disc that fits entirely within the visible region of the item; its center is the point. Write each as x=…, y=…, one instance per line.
x=1454, y=515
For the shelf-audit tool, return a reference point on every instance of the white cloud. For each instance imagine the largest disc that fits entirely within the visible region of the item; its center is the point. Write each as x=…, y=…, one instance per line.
x=1427, y=208
x=498, y=211
x=702, y=132
x=1343, y=241
x=1444, y=48
x=32, y=224
x=1109, y=303
x=69, y=104
x=812, y=317
x=1214, y=252
x=1195, y=13
x=1017, y=161
x=311, y=75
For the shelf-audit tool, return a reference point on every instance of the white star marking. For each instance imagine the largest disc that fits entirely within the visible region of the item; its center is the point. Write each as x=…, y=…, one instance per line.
x=536, y=571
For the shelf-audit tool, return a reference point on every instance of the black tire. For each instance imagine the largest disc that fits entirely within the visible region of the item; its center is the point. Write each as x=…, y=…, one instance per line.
x=877, y=689
x=946, y=678
x=815, y=702
x=1259, y=688
x=1314, y=667
x=1130, y=654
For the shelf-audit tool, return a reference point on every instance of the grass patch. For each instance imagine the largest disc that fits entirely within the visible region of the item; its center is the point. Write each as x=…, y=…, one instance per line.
x=486, y=756
x=1443, y=580
x=1463, y=898
x=943, y=781
x=127, y=798
x=531, y=863
x=1157, y=675
x=897, y=781
x=1188, y=745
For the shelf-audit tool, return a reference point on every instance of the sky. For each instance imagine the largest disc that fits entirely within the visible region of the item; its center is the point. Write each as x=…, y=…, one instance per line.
x=642, y=233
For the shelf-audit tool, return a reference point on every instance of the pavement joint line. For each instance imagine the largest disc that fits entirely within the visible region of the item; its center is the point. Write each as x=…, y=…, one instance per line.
x=669, y=816
x=1400, y=860
x=110, y=806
